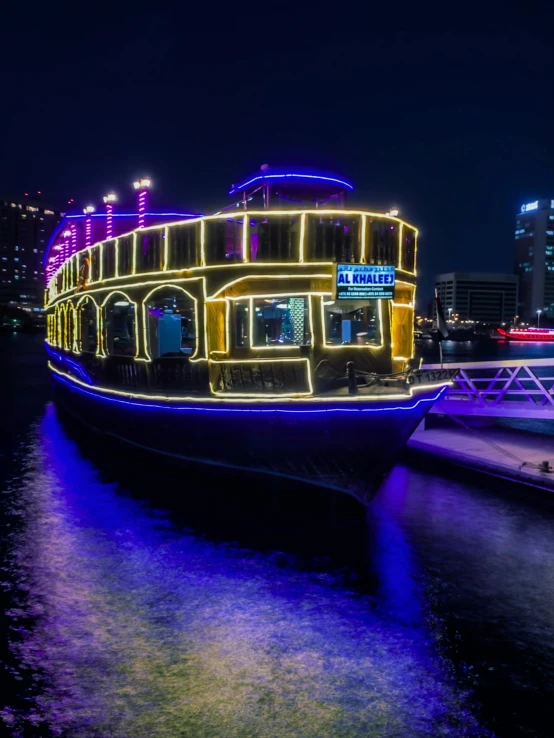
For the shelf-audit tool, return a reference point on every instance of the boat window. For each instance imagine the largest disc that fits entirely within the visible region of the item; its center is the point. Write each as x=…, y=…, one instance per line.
x=72, y=326
x=183, y=241
x=108, y=256
x=87, y=317
x=150, y=251
x=125, y=255
x=95, y=264
x=351, y=322
x=274, y=239
x=408, y=249
x=59, y=328
x=333, y=238
x=383, y=242
x=223, y=241
x=120, y=326
x=171, y=321
x=241, y=323
x=281, y=321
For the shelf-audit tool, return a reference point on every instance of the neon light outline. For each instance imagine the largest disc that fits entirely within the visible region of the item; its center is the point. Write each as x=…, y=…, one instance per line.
x=145, y=319
x=293, y=175
x=251, y=213
x=224, y=403
x=371, y=346
x=104, y=352
x=98, y=325
x=274, y=213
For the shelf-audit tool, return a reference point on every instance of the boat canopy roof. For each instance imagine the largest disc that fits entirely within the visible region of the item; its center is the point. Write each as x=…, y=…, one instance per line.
x=292, y=184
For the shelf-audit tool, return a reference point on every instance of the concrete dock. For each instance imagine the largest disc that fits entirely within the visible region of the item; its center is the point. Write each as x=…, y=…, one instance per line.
x=495, y=451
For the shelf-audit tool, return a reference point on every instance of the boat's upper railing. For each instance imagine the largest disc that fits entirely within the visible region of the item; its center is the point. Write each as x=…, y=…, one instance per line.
x=272, y=237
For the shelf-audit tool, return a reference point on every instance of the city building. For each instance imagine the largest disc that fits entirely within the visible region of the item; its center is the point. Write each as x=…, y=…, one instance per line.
x=26, y=224
x=534, y=258
x=480, y=296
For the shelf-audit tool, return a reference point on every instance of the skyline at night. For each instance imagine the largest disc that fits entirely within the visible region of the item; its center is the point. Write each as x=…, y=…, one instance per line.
x=449, y=125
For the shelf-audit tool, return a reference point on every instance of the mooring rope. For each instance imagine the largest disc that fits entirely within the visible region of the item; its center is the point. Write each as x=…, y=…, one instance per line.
x=544, y=466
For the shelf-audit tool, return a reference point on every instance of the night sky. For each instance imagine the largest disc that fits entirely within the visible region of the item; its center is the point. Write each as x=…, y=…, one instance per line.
x=444, y=110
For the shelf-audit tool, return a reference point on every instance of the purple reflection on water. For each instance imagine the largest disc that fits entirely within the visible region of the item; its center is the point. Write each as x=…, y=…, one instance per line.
x=134, y=627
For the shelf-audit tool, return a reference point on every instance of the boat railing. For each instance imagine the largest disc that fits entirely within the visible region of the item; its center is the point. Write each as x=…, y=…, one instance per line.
x=272, y=237
x=512, y=388
x=170, y=375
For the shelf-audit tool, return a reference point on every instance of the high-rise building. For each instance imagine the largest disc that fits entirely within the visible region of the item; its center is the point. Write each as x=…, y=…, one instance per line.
x=479, y=296
x=26, y=224
x=534, y=257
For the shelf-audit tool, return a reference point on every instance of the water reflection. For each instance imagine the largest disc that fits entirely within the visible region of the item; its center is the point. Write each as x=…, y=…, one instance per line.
x=124, y=623
x=487, y=569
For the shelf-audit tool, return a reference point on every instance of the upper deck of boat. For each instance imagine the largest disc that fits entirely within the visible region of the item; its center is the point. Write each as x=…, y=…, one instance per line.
x=257, y=242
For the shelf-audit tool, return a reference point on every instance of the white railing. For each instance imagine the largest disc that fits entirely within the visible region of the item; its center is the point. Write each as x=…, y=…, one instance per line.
x=510, y=389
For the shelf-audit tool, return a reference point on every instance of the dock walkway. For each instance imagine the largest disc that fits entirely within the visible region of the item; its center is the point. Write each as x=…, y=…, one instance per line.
x=494, y=451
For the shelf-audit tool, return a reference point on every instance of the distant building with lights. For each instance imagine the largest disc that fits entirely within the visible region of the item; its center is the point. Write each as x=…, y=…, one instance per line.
x=478, y=296
x=26, y=225
x=534, y=258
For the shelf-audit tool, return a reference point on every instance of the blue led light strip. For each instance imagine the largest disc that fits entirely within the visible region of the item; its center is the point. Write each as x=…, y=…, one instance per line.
x=135, y=215
x=192, y=408
x=77, y=368
x=297, y=176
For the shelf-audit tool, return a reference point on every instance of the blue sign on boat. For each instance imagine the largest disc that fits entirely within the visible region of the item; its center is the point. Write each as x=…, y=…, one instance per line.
x=364, y=282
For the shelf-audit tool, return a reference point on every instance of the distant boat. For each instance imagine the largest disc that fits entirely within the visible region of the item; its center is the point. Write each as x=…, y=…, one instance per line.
x=544, y=335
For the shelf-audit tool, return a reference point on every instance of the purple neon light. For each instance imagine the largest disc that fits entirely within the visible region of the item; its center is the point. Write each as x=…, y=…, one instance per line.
x=134, y=215
x=190, y=408
x=141, y=208
x=73, y=229
x=88, y=231
x=71, y=363
x=291, y=175
x=55, y=234
x=109, y=219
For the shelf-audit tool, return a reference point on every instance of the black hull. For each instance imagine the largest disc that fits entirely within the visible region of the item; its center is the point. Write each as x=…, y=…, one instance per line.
x=345, y=448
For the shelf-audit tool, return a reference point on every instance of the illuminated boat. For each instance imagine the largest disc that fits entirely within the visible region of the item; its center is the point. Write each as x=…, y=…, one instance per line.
x=542, y=335
x=275, y=336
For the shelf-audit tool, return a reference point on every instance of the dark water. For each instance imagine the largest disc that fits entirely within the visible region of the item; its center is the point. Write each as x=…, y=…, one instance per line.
x=488, y=350
x=140, y=601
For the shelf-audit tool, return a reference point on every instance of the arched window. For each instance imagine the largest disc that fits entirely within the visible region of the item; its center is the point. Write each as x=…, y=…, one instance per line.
x=87, y=325
x=119, y=323
x=71, y=327
x=60, y=325
x=170, y=315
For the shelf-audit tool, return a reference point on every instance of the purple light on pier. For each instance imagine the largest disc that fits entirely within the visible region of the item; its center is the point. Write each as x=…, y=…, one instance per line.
x=142, y=186
x=109, y=201
x=66, y=244
x=73, y=229
x=88, y=211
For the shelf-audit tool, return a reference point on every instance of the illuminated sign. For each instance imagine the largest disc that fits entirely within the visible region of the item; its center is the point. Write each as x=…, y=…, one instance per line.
x=364, y=282
x=530, y=206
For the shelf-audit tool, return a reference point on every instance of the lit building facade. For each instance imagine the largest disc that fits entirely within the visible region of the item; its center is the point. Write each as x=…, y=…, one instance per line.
x=26, y=225
x=479, y=296
x=534, y=258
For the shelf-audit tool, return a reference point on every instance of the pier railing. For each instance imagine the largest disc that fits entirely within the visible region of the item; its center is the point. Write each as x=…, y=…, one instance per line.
x=509, y=389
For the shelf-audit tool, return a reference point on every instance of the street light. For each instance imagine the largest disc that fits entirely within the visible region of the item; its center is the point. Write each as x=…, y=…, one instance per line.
x=539, y=318
x=450, y=313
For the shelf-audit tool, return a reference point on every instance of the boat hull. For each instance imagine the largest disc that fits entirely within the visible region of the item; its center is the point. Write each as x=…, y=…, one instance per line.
x=344, y=446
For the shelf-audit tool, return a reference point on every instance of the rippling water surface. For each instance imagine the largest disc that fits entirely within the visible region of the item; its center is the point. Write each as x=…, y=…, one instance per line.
x=145, y=602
